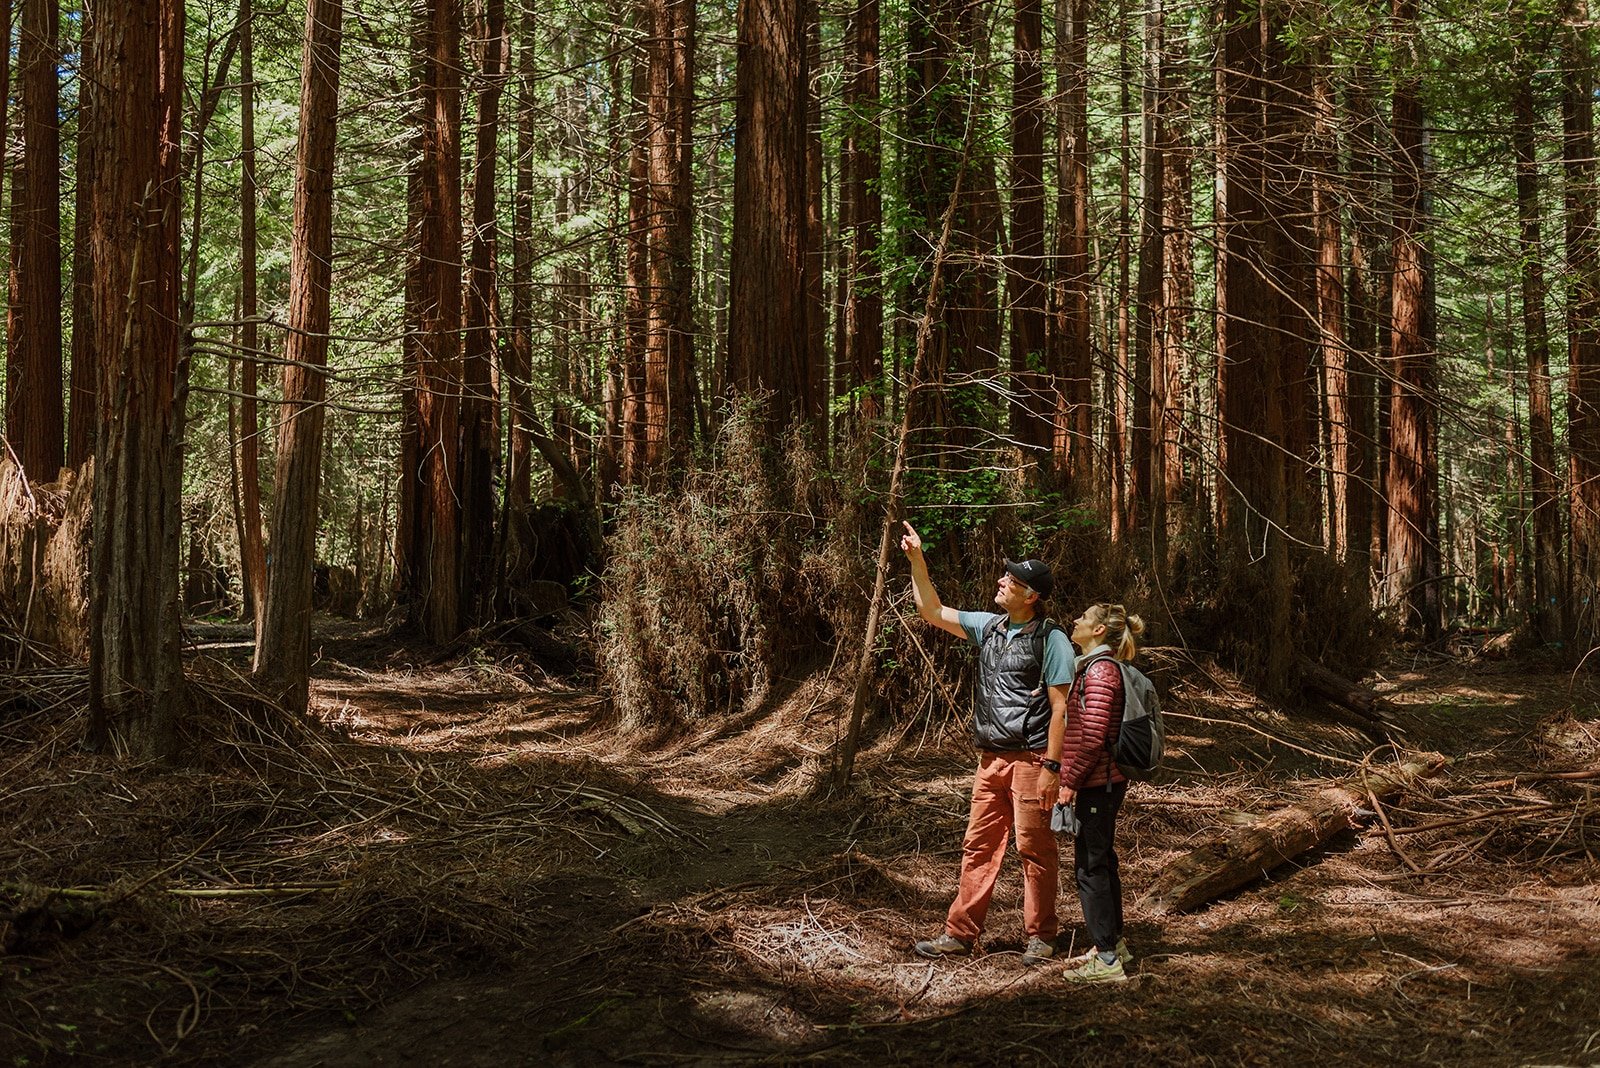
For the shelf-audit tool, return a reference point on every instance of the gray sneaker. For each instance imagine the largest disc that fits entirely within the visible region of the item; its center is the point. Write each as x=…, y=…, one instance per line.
x=1038, y=952
x=1124, y=956
x=946, y=945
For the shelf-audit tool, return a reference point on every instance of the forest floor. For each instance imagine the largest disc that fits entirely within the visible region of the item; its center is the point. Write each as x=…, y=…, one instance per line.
x=466, y=863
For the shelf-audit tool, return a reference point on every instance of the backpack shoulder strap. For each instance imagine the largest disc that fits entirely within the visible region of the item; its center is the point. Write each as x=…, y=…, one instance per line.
x=1041, y=636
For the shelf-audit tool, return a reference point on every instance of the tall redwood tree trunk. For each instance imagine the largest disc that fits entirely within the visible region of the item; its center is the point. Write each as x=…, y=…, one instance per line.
x=1072, y=346
x=35, y=417
x=436, y=599
x=1412, y=567
x=860, y=359
x=283, y=653
x=669, y=345
x=136, y=686
x=1252, y=494
x=252, y=548
x=1034, y=391
x=519, y=354
x=1146, y=492
x=1583, y=324
x=770, y=312
x=1546, y=609
x=478, y=401
x=82, y=414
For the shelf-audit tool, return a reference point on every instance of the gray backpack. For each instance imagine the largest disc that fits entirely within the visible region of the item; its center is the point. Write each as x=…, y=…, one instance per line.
x=1141, y=739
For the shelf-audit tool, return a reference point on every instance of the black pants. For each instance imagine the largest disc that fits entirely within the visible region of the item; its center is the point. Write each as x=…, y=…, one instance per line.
x=1095, y=853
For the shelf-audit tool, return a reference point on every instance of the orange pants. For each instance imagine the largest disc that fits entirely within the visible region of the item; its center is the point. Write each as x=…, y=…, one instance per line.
x=1005, y=794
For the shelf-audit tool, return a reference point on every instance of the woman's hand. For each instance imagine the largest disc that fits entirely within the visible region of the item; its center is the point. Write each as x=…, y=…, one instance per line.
x=1065, y=796
x=910, y=541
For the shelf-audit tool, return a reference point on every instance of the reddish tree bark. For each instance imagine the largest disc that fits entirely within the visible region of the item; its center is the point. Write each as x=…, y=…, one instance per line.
x=82, y=406
x=1147, y=492
x=35, y=416
x=1583, y=323
x=1034, y=391
x=1412, y=568
x=1071, y=345
x=669, y=343
x=283, y=653
x=636, y=284
x=519, y=354
x=1546, y=609
x=1335, y=358
x=136, y=686
x=770, y=312
x=252, y=547
x=435, y=597
x=1252, y=494
x=860, y=356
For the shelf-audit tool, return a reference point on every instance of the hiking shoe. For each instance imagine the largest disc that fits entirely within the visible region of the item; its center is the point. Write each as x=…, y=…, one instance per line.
x=1096, y=971
x=1038, y=952
x=1124, y=956
x=946, y=945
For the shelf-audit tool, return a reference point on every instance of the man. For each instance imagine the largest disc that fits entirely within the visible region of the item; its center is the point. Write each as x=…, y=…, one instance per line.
x=1018, y=724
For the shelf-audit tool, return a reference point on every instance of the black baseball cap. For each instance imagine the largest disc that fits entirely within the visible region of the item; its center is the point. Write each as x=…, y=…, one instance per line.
x=1034, y=574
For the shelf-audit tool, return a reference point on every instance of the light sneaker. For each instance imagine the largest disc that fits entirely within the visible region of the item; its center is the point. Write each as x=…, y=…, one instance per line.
x=1124, y=957
x=946, y=945
x=1096, y=971
x=1038, y=952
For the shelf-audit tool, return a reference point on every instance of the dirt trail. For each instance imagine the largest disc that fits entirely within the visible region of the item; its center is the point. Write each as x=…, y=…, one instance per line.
x=495, y=874
x=768, y=929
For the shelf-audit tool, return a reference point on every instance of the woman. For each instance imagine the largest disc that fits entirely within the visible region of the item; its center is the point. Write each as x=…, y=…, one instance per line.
x=1093, y=784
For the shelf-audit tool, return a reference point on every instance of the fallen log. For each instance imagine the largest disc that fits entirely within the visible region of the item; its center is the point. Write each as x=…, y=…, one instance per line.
x=1243, y=854
x=1366, y=705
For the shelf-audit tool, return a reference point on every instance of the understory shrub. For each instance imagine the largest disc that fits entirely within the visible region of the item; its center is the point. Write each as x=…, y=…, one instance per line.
x=715, y=588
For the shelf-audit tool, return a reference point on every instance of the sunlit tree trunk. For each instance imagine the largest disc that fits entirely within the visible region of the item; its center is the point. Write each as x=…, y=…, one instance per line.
x=1361, y=329
x=35, y=418
x=82, y=404
x=636, y=284
x=817, y=238
x=1412, y=567
x=479, y=400
x=669, y=345
x=252, y=548
x=435, y=599
x=1173, y=435
x=283, y=653
x=136, y=685
x=1146, y=492
x=519, y=354
x=1334, y=356
x=1292, y=280
x=860, y=359
x=1547, y=568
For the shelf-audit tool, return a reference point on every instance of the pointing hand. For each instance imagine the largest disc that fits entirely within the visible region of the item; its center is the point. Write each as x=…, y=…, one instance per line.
x=910, y=541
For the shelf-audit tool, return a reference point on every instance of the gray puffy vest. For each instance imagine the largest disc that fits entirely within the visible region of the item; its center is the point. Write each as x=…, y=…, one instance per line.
x=1012, y=705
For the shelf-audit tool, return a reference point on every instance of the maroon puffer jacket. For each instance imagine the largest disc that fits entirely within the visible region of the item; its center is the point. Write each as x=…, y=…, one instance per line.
x=1094, y=712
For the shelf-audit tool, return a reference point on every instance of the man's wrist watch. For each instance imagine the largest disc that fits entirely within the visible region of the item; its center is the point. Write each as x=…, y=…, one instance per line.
x=1050, y=765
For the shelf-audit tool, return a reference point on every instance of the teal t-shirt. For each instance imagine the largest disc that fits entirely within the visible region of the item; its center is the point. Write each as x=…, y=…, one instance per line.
x=1059, y=662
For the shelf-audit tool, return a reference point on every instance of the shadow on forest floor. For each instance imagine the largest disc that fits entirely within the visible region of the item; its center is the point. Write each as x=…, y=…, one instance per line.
x=458, y=865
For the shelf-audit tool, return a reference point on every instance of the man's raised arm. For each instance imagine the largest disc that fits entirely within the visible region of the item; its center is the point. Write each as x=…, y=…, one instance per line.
x=928, y=604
